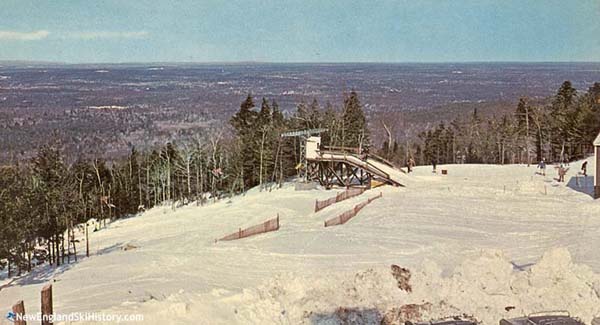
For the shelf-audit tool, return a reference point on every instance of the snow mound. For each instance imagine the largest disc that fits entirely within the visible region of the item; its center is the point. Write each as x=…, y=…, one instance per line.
x=487, y=288
x=490, y=289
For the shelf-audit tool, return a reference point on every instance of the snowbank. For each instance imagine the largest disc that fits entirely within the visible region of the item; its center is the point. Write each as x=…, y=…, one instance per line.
x=489, y=288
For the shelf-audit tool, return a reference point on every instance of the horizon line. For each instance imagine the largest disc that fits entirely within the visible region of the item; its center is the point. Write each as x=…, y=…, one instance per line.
x=250, y=62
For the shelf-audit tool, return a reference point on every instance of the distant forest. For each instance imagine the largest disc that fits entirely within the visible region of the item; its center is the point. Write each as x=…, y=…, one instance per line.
x=42, y=200
x=106, y=110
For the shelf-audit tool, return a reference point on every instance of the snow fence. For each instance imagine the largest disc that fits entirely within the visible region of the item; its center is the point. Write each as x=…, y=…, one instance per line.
x=267, y=226
x=349, y=193
x=344, y=217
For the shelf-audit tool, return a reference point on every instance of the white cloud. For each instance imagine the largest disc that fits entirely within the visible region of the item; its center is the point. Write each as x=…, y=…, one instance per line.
x=105, y=35
x=85, y=35
x=23, y=36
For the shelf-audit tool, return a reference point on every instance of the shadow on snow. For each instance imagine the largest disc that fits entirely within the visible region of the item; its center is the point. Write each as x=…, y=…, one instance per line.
x=582, y=184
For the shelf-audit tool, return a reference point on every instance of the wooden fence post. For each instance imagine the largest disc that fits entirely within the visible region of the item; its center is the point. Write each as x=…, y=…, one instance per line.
x=87, y=241
x=72, y=239
x=19, y=311
x=47, y=305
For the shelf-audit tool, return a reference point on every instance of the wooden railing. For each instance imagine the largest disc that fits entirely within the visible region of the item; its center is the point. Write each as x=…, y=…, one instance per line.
x=383, y=160
x=342, y=149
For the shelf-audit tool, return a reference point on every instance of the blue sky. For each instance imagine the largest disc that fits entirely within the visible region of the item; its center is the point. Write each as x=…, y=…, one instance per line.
x=299, y=31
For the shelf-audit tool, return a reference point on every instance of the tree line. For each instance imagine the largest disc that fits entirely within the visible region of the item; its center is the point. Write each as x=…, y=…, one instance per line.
x=558, y=129
x=42, y=201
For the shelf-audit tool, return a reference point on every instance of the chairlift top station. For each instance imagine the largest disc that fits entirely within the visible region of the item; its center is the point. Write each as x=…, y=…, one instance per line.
x=341, y=166
x=304, y=135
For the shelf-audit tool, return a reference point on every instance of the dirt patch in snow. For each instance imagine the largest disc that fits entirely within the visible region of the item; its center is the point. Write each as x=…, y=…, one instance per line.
x=410, y=312
x=402, y=275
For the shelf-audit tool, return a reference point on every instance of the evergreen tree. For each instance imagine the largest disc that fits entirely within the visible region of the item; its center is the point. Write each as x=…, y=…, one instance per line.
x=245, y=122
x=354, y=130
x=302, y=117
x=315, y=118
x=277, y=115
x=563, y=121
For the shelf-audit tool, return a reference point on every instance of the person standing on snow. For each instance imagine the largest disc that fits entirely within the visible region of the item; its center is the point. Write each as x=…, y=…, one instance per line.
x=542, y=167
x=365, y=153
x=411, y=164
x=562, y=171
x=584, y=168
x=434, y=165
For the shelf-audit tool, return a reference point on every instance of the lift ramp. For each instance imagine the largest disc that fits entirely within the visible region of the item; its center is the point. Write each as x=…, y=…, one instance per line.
x=380, y=169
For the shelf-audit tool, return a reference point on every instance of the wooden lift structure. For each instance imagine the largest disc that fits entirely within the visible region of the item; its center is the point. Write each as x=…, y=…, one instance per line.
x=343, y=167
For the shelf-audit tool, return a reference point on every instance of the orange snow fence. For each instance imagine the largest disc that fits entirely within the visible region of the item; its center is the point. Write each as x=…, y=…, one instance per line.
x=344, y=217
x=349, y=193
x=267, y=226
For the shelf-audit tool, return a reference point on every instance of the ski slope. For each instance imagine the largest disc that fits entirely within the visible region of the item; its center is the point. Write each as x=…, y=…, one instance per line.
x=469, y=239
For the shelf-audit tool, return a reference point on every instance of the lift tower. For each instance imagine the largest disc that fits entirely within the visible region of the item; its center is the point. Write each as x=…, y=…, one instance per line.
x=304, y=135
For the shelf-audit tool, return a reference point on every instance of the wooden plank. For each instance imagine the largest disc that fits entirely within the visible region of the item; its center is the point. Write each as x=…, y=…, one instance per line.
x=87, y=241
x=19, y=311
x=47, y=305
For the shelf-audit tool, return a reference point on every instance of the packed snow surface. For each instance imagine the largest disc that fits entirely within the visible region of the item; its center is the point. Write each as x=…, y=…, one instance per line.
x=487, y=241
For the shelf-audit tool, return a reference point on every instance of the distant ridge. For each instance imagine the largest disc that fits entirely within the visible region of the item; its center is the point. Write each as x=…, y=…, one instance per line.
x=21, y=63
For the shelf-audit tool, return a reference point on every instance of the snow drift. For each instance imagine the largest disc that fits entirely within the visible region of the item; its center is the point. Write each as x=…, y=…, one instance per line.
x=487, y=288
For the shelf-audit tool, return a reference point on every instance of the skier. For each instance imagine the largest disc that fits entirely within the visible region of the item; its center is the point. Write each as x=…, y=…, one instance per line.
x=584, y=168
x=365, y=153
x=434, y=164
x=562, y=171
x=410, y=164
x=542, y=167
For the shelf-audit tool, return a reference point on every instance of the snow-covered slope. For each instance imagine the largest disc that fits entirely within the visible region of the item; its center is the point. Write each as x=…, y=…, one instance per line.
x=461, y=235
